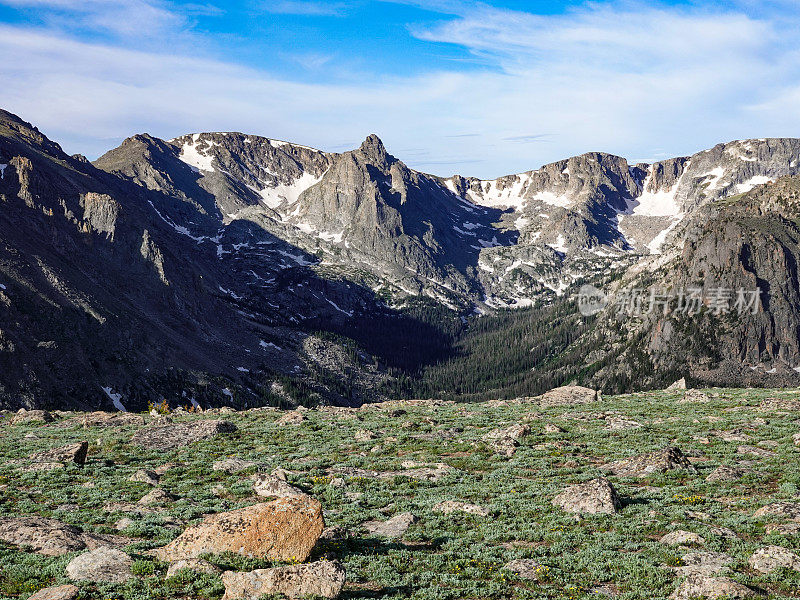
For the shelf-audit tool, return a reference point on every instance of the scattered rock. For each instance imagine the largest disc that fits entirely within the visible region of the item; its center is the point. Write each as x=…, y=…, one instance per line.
x=170, y=437
x=449, y=506
x=363, y=435
x=50, y=537
x=783, y=528
x=694, y=397
x=790, y=510
x=71, y=453
x=145, y=476
x=233, y=465
x=107, y=419
x=551, y=428
x=32, y=416
x=592, y=497
x=192, y=564
x=704, y=563
x=60, y=592
x=393, y=528
x=756, y=451
x=701, y=586
x=292, y=417
x=102, y=564
x=682, y=538
x=285, y=529
x=678, y=385
x=723, y=473
x=570, y=394
x=616, y=422
x=155, y=497
x=526, y=568
x=766, y=560
x=505, y=441
x=323, y=579
x=643, y=465
x=123, y=523
x=274, y=487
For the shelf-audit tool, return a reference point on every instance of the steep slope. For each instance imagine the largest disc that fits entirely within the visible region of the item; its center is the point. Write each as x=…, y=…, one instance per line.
x=105, y=294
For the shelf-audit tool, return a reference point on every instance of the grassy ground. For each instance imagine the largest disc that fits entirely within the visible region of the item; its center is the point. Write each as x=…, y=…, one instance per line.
x=441, y=556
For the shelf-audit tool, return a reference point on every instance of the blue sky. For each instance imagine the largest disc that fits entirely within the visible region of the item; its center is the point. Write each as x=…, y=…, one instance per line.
x=451, y=86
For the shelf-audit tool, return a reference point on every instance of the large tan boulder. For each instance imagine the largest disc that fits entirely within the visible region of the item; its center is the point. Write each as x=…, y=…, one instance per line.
x=702, y=586
x=60, y=592
x=318, y=579
x=597, y=496
x=643, y=465
x=285, y=529
x=172, y=436
x=568, y=395
x=102, y=564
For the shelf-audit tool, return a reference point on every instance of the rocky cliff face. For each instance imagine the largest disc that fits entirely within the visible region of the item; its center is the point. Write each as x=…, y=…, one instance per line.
x=226, y=261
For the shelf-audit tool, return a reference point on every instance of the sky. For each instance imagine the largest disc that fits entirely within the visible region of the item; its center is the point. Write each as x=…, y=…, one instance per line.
x=451, y=86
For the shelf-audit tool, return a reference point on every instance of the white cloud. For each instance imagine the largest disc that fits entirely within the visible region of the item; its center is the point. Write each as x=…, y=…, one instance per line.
x=628, y=79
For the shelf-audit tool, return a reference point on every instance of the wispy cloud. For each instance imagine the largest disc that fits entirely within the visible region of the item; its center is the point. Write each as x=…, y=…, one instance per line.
x=622, y=77
x=308, y=8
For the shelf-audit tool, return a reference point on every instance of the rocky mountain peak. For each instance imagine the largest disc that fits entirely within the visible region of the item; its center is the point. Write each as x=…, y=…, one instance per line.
x=373, y=149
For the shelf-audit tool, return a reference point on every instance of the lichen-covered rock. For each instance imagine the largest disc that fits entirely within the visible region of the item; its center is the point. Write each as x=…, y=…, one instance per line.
x=393, y=528
x=704, y=563
x=591, y=497
x=197, y=565
x=646, y=464
x=60, y=592
x=32, y=416
x=274, y=487
x=526, y=568
x=71, y=453
x=285, y=529
x=570, y=394
x=789, y=510
x=102, y=564
x=50, y=537
x=681, y=538
x=769, y=558
x=145, y=476
x=169, y=437
x=233, y=465
x=450, y=506
x=323, y=579
x=504, y=441
x=702, y=586
x=724, y=473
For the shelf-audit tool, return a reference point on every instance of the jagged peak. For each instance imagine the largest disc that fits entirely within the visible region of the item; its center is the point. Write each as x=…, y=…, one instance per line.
x=373, y=148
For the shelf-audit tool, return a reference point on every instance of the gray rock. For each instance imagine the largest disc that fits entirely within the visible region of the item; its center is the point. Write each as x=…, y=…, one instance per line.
x=704, y=563
x=71, y=453
x=643, y=465
x=769, y=558
x=568, y=395
x=102, y=564
x=197, y=565
x=724, y=473
x=233, y=465
x=450, y=506
x=789, y=510
x=678, y=385
x=323, y=579
x=271, y=486
x=169, y=437
x=526, y=568
x=145, y=476
x=50, y=537
x=682, y=538
x=60, y=592
x=393, y=528
x=591, y=497
x=702, y=586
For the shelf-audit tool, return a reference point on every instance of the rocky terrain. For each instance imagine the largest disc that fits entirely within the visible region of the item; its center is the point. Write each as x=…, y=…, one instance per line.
x=233, y=269
x=679, y=494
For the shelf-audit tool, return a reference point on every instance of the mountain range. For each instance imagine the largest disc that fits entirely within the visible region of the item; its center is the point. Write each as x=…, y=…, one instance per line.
x=226, y=268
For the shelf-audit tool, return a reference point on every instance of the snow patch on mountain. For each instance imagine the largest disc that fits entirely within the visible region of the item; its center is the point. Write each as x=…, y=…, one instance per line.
x=193, y=157
x=752, y=182
x=281, y=194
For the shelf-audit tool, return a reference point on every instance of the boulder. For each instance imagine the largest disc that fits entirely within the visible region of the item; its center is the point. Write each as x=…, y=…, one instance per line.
x=681, y=538
x=505, y=440
x=570, y=394
x=724, y=473
x=704, y=563
x=646, y=464
x=285, y=529
x=789, y=510
x=102, y=564
x=233, y=465
x=292, y=417
x=393, y=528
x=756, y=451
x=451, y=506
x=678, y=385
x=197, y=565
x=526, y=568
x=769, y=558
x=155, y=497
x=592, y=497
x=59, y=592
x=50, y=537
x=702, y=586
x=145, y=476
x=71, y=453
x=323, y=579
x=170, y=437
x=31, y=416
x=274, y=487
